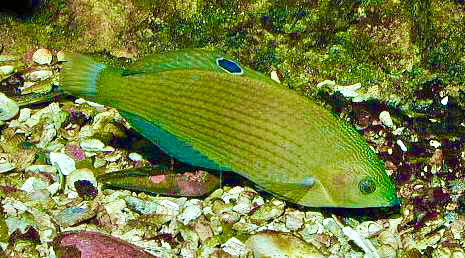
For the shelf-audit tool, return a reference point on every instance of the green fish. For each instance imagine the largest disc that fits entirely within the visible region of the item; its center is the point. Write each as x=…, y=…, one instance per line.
x=205, y=109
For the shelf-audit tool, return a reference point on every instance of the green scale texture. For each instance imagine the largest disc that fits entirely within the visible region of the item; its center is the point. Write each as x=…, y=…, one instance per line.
x=202, y=115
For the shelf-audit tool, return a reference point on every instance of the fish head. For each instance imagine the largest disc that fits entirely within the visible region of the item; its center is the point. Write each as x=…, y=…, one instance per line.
x=360, y=184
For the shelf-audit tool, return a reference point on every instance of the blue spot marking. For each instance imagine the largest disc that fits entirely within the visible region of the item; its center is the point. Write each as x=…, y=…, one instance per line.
x=229, y=66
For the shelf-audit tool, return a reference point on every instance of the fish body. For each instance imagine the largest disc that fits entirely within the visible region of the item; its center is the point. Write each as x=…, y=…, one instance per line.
x=206, y=110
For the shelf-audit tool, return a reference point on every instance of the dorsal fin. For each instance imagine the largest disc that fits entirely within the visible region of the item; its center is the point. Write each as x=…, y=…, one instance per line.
x=197, y=59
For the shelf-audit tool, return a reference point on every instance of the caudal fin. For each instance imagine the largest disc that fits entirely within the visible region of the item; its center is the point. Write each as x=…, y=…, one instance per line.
x=79, y=77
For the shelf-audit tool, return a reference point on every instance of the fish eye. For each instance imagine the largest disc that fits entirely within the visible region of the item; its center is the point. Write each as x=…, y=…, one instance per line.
x=367, y=185
x=229, y=66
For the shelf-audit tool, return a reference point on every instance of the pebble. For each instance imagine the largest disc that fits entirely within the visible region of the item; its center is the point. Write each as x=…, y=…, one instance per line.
x=445, y=100
x=5, y=58
x=6, y=167
x=192, y=211
x=33, y=184
x=42, y=56
x=135, y=156
x=327, y=83
x=349, y=91
x=401, y=145
x=274, y=244
x=24, y=114
x=80, y=174
x=268, y=211
x=435, y=144
x=40, y=75
x=61, y=57
x=8, y=108
x=95, y=244
x=62, y=162
x=74, y=215
x=6, y=69
x=92, y=145
x=275, y=77
x=235, y=247
x=363, y=243
x=386, y=119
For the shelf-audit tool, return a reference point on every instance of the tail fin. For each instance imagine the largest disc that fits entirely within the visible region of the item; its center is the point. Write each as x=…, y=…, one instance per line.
x=80, y=76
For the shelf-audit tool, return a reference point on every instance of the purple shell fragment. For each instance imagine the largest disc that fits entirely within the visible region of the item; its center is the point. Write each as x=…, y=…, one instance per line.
x=87, y=244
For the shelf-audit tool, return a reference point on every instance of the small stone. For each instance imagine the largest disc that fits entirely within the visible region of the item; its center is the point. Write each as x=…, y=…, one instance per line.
x=368, y=229
x=386, y=119
x=435, y=144
x=135, y=156
x=33, y=184
x=40, y=75
x=349, y=91
x=41, y=169
x=401, y=145
x=327, y=83
x=61, y=57
x=6, y=167
x=363, y=243
x=6, y=58
x=8, y=108
x=268, y=211
x=92, y=145
x=294, y=219
x=445, y=100
x=275, y=77
x=80, y=175
x=6, y=69
x=24, y=114
x=62, y=162
x=42, y=56
x=94, y=244
x=235, y=247
x=192, y=211
x=74, y=215
x=274, y=244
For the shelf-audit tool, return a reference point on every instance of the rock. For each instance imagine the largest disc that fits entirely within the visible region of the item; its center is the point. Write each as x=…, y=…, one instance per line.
x=75, y=152
x=6, y=167
x=275, y=77
x=34, y=184
x=8, y=108
x=135, y=156
x=6, y=69
x=42, y=56
x=401, y=145
x=24, y=114
x=61, y=57
x=40, y=75
x=294, y=219
x=363, y=243
x=192, y=210
x=274, y=244
x=268, y=211
x=6, y=58
x=94, y=244
x=74, y=215
x=92, y=145
x=235, y=247
x=80, y=175
x=385, y=118
x=41, y=169
x=62, y=162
